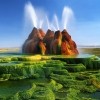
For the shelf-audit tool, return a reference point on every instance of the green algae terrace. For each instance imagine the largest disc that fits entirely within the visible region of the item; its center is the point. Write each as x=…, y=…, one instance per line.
x=28, y=77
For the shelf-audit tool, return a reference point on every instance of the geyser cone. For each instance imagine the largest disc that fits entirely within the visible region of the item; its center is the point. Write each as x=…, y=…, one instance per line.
x=68, y=46
x=34, y=44
x=35, y=34
x=57, y=34
x=65, y=35
x=41, y=33
x=50, y=43
x=48, y=39
x=56, y=43
x=49, y=33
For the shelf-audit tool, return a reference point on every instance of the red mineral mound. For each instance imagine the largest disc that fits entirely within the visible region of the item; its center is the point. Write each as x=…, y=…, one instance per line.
x=34, y=44
x=48, y=40
x=56, y=43
x=42, y=33
x=50, y=43
x=68, y=46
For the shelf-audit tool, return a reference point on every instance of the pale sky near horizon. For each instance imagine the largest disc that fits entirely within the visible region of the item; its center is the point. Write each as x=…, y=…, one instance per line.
x=84, y=31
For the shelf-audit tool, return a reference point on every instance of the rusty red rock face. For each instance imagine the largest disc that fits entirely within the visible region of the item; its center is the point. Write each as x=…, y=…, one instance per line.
x=42, y=33
x=68, y=46
x=48, y=40
x=50, y=43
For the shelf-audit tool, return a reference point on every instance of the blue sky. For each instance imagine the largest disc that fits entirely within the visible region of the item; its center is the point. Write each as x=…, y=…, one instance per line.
x=85, y=31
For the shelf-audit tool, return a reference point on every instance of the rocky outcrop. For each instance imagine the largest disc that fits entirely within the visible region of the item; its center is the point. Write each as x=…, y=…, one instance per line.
x=56, y=43
x=50, y=43
x=42, y=33
x=48, y=40
x=68, y=46
x=34, y=44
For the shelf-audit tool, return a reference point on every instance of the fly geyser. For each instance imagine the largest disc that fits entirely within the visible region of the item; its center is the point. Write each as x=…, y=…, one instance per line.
x=53, y=41
x=50, y=42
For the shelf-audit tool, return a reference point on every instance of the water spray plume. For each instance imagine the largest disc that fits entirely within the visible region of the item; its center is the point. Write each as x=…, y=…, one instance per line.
x=30, y=11
x=53, y=27
x=37, y=37
x=47, y=22
x=39, y=18
x=56, y=21
x=66, y=15
x=41, y=23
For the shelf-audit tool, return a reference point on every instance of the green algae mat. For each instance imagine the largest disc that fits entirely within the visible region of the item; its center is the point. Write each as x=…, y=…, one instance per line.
x=52, y=77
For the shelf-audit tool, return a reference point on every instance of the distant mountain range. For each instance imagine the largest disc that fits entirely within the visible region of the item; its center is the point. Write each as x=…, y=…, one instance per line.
x=79, y=46
x=10, y=49
x=88, y=46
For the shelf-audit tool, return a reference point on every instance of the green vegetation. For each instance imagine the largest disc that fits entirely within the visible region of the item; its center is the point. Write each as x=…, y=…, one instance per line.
x=75, y=67
x=43, y=94
x=28, y=77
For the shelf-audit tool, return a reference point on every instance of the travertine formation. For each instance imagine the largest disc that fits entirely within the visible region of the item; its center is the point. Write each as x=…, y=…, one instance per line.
x=50, y=43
